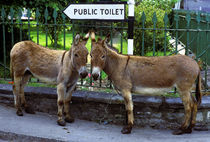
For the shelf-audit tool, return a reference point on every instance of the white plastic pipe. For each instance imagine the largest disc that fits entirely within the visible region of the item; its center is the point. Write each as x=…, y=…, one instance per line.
x=130, y=46
x=131, y=4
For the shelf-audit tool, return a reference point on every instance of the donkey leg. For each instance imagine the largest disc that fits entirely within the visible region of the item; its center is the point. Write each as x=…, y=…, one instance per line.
x=16, y=92
x=129, y=108
x=61, y=90
x=68, y=117
x=194, y=112
x=28, y=109
x=187, y=101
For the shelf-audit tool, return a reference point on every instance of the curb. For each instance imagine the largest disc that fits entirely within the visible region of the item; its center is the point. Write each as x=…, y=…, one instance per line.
x=102, y=97
x=155, y=111
x=9, y=136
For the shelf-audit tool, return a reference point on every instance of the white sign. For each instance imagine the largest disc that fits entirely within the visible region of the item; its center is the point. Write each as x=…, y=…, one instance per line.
x=96, y=11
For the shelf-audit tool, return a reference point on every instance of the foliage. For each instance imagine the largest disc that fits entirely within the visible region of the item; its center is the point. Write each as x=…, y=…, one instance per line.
x=42, y=5
x=8, y=38
x=54, y=9
x=149, y=7
x=166, y=5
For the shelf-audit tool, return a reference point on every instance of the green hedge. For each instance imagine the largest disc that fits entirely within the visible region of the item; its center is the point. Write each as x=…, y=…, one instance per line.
x=149, y=7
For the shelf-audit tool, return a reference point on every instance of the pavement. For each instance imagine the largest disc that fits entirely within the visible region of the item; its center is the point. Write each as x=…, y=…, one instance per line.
x=43, y=127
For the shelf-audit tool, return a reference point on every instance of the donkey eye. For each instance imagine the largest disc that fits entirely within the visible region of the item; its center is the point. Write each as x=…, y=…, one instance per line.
x=75, y=55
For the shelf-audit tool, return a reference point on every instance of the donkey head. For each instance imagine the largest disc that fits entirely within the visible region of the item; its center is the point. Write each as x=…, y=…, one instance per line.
x=98, y=55
x=79, y=54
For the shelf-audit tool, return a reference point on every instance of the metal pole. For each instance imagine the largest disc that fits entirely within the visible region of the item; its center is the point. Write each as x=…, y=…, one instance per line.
x=130, y=25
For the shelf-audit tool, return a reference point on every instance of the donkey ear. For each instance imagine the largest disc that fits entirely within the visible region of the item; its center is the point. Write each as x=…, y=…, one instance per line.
x=76, y=39
x=106, y=40
x=85, y=39
x=99, y=39
x=87, y=36
x=104, y=43
x=93, y=36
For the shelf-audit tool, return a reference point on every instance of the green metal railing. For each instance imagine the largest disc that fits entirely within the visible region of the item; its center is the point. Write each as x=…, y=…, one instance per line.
x=191, y=32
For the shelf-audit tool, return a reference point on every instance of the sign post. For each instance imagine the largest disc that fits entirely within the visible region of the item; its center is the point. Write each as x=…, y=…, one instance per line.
x=130, y=25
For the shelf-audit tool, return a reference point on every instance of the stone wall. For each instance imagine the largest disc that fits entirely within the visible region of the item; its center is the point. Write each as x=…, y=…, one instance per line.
x=157, y=112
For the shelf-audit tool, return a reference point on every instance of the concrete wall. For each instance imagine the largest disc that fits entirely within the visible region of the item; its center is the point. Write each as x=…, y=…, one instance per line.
x=156, y=112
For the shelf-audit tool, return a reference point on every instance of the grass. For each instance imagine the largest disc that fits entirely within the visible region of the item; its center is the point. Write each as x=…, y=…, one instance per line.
x=173, y=95
x=32, y=84
x=68, y=38
x=42, y=40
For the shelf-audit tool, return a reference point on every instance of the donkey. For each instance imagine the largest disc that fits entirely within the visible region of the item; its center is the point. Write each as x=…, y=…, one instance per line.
x=148, y=75
x=52, y=66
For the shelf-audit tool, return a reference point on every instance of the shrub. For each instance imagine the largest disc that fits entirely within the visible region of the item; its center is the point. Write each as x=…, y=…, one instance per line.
x=149, y=7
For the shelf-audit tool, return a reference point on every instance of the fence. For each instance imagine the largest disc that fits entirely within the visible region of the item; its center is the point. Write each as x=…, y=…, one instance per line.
x=54, y=30
x=199, y=39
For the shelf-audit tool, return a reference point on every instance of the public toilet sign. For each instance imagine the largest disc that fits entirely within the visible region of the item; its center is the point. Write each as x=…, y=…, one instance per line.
x=96, y=11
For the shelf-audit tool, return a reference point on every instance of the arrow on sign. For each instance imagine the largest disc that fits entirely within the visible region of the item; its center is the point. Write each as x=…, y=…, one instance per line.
x=96, y=11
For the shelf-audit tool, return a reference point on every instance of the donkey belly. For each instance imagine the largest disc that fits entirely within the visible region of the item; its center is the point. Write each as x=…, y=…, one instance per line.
x=150, y=91
x=43, y=77
x=46, y=71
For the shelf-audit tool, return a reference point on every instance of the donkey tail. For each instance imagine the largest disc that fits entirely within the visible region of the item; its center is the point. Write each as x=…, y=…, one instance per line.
x=11, y=70
x=198, y=94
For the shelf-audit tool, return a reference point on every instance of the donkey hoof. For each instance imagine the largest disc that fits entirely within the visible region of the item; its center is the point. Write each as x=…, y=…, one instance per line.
x=69, y=120
x=61, y=122
x=182, y=131
x=126, y=130
x=178, y=132
x=19, y=113
x=29, y=110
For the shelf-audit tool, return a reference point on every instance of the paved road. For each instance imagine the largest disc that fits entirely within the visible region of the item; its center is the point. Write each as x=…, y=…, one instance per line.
x=42, y=127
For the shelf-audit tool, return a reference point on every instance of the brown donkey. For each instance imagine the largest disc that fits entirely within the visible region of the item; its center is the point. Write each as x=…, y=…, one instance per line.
x=59, y=66
x=148, y=75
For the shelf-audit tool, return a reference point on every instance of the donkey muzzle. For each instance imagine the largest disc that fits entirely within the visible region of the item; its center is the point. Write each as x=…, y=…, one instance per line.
x=83, y=72
x=95, y=72
x=95, y=76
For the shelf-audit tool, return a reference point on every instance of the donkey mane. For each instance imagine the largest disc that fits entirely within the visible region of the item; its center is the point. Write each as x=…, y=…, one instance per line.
x=112, y=48
x=114, y=52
